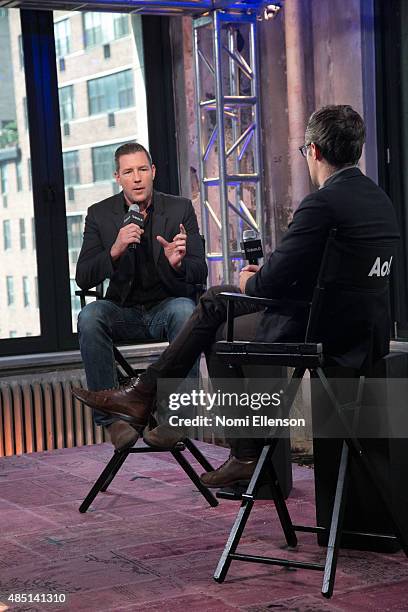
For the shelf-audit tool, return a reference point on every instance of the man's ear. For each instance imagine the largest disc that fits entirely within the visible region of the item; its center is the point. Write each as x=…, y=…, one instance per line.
x=117, y=177
x=316, y=153
x=153, y=170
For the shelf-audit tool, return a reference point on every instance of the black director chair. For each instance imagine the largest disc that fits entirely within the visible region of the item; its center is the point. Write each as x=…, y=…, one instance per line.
x=125, y=372
x=346, y=266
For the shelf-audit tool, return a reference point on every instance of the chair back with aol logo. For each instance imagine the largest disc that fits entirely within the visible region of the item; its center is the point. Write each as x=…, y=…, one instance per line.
x=350, y=307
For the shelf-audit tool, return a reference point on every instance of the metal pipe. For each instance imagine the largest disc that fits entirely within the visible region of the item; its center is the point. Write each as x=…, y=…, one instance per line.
x=222, y=167
x=297, y=98
x=256, y=115
x=201, y=169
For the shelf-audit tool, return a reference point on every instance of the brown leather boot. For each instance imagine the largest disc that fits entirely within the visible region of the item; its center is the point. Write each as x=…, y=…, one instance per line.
x=122, y=435
x=132, y=403
x=164, y=436
x=232, y=472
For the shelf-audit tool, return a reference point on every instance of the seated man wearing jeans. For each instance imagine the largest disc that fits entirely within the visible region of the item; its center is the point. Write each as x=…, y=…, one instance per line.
x=152, y=287
x=346, y=200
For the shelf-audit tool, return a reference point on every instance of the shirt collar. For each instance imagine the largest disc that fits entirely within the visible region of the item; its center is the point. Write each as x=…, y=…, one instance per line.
x=336, y=173
x=127, y=203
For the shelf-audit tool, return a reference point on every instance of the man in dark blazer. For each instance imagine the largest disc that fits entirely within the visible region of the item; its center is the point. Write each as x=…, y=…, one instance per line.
x=346, y=200
x=152, y=286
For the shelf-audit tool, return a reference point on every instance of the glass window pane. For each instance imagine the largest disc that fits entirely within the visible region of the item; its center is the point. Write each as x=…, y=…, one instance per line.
x=66, y=102
x=102, y=28
x=23, y=241
x=62, y=34
x=110, y=93
x=99, y=112
x=19, y=316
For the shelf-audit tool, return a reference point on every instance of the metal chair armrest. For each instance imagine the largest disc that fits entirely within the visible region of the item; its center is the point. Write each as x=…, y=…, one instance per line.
x=249, y=299
x=84, y=293
x=235, y=297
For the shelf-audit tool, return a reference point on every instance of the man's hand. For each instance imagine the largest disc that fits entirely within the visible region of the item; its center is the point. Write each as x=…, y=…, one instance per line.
x=246, y=273
x=175, y=250
x=129, y=234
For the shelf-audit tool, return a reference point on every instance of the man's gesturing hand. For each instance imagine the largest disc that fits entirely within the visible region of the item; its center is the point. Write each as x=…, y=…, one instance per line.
x=246, y=273
x=175, y=250
x=128, y=234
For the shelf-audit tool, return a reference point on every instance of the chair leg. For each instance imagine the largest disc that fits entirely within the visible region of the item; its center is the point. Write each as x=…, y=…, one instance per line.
x=123, y=455
x=248, y=499
x=358, y=451
x=336, y=525
x=104, y=479
x=197, y=454
x=279, y=500
x=192, y=474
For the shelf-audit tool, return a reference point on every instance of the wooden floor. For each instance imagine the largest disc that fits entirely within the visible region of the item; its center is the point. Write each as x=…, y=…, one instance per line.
x=152, y=543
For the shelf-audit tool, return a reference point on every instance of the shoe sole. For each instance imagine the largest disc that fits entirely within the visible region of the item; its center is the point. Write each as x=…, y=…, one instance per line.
x=168, y=448
x=129, y=444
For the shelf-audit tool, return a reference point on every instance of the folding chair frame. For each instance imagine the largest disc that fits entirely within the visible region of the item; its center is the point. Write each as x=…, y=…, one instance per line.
x=350, y=444
x=119, y=456
x=306, y=356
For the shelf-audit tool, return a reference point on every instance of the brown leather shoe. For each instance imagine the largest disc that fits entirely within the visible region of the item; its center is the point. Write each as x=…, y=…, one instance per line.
x=233, y=471
x=122, y=435
x=164, y=436
x=132, y=402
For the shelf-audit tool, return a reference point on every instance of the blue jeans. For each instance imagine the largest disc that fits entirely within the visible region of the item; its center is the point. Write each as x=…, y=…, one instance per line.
x=101, y=323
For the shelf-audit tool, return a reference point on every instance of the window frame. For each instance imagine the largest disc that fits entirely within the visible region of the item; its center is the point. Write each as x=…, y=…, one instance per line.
x=108, y=88
x=45, y=169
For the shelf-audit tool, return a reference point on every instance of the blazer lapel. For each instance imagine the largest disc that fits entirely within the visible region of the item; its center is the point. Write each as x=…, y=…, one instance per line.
x=118, y=211
x=158, y=224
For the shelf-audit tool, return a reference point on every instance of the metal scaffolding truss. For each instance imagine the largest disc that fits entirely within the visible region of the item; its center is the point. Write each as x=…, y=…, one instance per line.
x=226, y=73
x=228, y=118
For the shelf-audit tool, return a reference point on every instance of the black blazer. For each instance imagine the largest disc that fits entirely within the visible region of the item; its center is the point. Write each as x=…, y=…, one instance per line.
x=102, y=224
x=360, y=210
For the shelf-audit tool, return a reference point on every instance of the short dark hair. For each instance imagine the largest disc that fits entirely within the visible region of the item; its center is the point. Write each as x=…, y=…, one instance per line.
x=339, y=133
x=131, y=147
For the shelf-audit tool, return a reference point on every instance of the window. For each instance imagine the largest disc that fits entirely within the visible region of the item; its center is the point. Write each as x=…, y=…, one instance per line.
x=6, y=235
x=25, y=113
x=19, y=177
x=74, y=225
x=10, y=290
x=33, y=233
x=75, y=299
x=3, y=178
x=20, y=52
x=101, y=28
x=62, y=34
x=26, y=292
x=18, y=260
x=103, y=164
x=66, y=103
x=37, y=302
x=111, y=92
x=71, y=167
x=30, y=183
x=23, y=240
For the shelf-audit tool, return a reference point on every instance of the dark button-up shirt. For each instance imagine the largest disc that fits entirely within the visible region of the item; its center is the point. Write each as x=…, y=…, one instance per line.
x=147, y=288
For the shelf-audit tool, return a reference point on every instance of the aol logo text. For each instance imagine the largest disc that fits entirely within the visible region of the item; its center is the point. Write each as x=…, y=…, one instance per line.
x=379, y=269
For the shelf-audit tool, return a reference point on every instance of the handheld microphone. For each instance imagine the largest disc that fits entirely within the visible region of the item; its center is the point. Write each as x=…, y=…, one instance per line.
x=251, y=246
x=134, y=216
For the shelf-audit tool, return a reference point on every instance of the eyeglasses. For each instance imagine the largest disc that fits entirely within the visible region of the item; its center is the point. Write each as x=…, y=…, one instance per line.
x=303, y=149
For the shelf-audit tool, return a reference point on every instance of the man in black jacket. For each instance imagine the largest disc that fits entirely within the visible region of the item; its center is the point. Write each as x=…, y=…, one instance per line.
x=346, y=200
x=152, y=286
